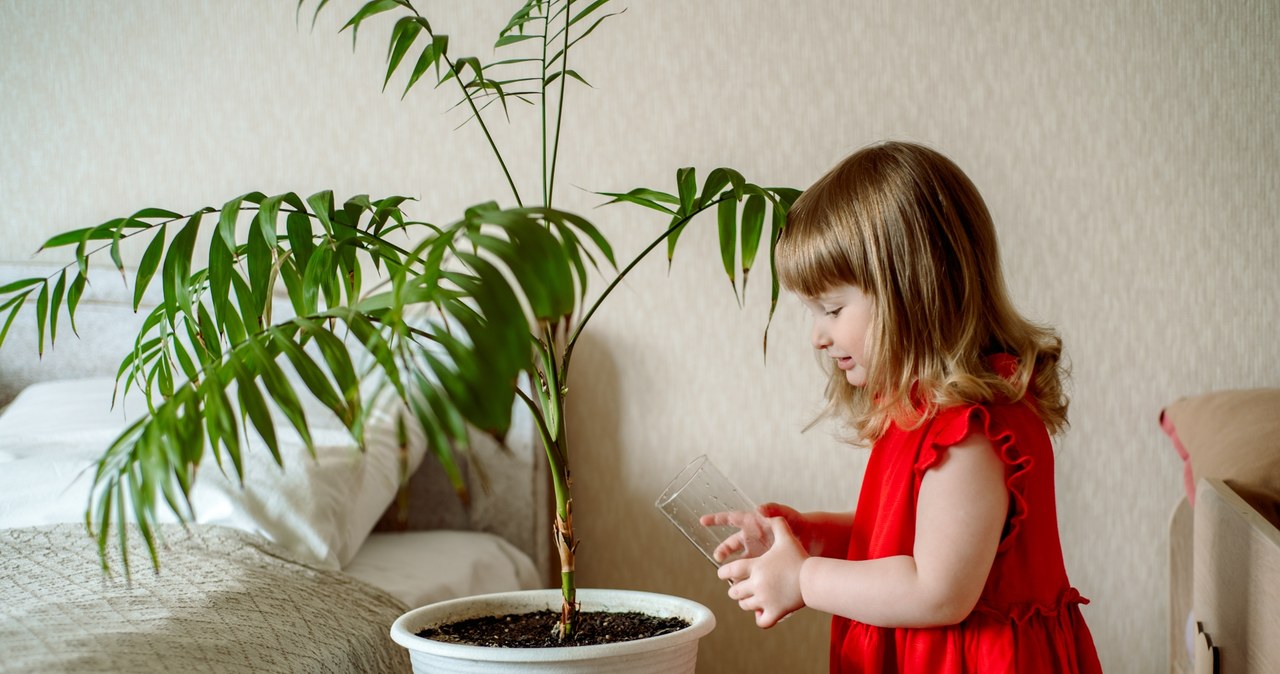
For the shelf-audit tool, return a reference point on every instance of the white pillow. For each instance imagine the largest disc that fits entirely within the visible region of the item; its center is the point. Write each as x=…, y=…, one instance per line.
x=424, y=567
x=321, y=509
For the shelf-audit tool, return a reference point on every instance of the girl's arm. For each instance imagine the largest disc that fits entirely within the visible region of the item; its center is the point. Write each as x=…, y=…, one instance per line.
x=960, y=514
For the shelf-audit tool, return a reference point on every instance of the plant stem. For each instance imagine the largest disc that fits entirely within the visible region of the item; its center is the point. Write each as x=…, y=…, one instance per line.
x=555, y=440
x=557, y=462
x=546, y=31
x=564, y=85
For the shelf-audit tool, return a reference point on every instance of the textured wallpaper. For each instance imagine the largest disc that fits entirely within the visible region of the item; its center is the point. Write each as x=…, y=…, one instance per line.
x=1128, y=152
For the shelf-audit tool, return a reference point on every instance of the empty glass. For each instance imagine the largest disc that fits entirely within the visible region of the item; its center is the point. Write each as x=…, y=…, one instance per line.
x=701, y=489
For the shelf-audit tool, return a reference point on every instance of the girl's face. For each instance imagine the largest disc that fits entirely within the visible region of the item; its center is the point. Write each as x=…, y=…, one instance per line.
x=842, y=327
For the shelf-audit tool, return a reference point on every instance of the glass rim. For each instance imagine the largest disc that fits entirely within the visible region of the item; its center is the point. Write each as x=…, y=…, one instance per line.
x=680, y=481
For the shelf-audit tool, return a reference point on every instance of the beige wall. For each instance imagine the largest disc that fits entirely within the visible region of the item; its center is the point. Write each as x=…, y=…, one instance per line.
x=1127, y=151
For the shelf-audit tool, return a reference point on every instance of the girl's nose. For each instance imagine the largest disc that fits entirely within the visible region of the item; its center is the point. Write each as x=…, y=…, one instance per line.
x=820, y=338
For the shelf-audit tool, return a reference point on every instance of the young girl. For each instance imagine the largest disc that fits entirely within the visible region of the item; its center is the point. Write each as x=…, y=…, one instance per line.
x=951, y=561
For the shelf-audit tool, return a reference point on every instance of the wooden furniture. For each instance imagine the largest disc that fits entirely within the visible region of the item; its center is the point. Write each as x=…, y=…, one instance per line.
x=1225, y=575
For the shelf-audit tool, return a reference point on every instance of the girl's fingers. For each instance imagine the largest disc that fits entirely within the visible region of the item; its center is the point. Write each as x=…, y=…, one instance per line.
x=751, y=605
x=724, y=519
x=733, y=571
x=728, y=547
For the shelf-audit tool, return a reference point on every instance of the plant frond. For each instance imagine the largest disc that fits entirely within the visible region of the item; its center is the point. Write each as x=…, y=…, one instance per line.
x=214, y=356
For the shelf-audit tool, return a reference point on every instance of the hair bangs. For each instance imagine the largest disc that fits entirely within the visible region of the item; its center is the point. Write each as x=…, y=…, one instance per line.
x=821, y=247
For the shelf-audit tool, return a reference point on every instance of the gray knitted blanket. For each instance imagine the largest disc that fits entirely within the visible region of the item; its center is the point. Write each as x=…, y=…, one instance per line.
x=224, y=601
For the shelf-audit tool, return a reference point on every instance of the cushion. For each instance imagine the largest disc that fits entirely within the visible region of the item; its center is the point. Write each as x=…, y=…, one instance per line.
x=321, y=508
x=1233, y=436
x=424, y=567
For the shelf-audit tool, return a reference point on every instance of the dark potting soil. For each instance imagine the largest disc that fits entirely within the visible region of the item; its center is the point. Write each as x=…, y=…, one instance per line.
x=537, y=629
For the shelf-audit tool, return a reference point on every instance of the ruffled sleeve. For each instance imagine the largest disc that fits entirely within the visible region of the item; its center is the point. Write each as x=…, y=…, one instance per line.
x=952, y=425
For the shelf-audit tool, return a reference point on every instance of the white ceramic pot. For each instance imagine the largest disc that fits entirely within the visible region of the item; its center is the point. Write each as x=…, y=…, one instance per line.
x=673, y=653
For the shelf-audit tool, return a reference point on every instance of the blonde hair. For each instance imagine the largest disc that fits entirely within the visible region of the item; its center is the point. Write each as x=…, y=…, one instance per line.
x=905, y=225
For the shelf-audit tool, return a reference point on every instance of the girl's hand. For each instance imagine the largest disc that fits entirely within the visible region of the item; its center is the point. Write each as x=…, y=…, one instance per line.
x=753, y=538
x=769, y=585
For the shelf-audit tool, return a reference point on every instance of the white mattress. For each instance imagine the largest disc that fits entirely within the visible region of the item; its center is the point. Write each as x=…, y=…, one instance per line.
x=421, y=567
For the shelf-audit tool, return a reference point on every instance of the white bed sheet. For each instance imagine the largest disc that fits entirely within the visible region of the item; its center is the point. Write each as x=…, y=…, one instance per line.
x=421, y=567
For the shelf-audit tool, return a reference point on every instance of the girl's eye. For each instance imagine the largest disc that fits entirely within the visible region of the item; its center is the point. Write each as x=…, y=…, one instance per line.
x=834, y=312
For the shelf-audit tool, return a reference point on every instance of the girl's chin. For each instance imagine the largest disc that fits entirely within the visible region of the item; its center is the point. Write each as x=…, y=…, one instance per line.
x=856, y=377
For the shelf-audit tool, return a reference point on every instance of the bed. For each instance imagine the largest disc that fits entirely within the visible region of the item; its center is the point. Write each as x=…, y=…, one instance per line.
x=300, y=570
x=1224, y=534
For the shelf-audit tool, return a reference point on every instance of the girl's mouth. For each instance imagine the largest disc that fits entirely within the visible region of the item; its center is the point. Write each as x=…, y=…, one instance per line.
x=845, y=363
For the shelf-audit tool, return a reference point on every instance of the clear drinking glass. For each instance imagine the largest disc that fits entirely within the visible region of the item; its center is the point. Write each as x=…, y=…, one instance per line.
x=701, y=489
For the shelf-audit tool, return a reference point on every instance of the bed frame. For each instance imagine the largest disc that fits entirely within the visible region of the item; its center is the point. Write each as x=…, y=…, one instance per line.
x=1224, y=571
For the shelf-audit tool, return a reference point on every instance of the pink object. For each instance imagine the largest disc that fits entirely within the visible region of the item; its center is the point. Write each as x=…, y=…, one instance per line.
x=1189, y=480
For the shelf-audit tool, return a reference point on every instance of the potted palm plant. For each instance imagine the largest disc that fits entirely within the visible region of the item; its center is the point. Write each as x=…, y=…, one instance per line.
x=505, y=283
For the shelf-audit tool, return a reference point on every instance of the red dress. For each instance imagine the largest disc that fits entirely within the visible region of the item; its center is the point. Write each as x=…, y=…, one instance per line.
x=1028, y=616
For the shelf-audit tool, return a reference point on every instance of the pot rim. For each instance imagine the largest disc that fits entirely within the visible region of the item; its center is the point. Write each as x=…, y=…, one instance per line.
x=701, y=620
